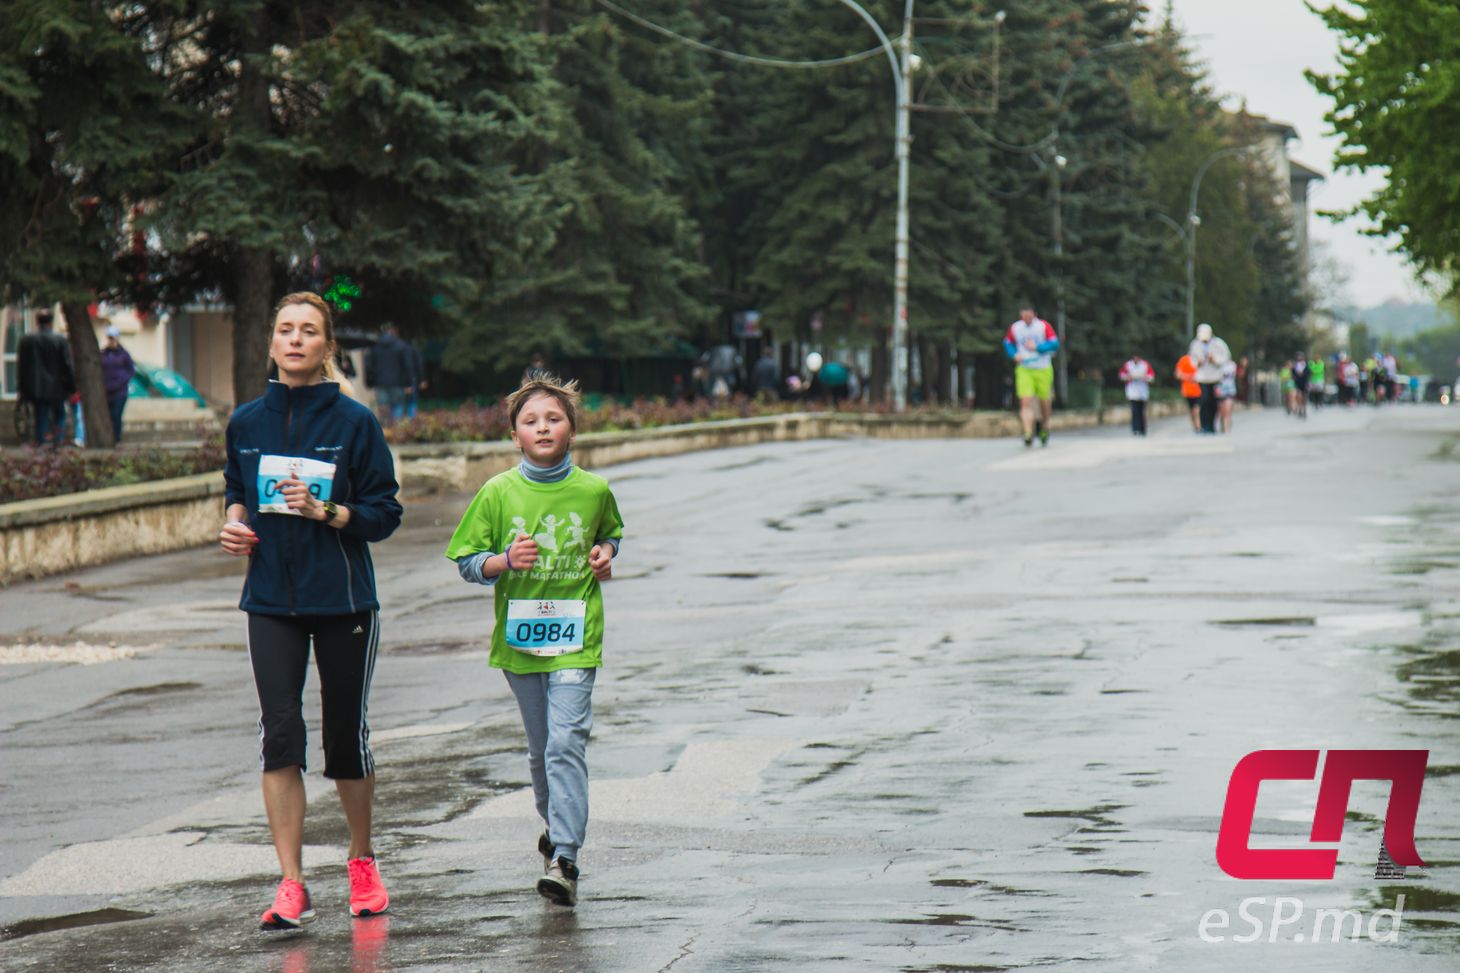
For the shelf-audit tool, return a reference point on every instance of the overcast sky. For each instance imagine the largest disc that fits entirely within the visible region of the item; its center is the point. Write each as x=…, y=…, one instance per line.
x=1258, y=50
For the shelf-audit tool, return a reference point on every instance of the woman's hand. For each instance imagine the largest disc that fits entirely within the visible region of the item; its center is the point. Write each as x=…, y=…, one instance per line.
x=237, y=538
x=600, y=559
x=297, y=497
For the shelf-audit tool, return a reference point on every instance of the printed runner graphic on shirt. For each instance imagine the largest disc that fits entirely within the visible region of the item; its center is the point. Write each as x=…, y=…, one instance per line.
x=273, y=470
x=562, y=546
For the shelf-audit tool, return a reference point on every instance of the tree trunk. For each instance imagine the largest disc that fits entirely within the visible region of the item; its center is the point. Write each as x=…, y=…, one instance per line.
x=254, y=283
x=965, y=391
x=86, y=358
x=945, y=363
x=881, y=392
x=253, y=292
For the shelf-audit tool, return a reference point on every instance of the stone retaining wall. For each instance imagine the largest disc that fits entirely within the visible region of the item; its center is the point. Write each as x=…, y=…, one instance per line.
x=56, y=534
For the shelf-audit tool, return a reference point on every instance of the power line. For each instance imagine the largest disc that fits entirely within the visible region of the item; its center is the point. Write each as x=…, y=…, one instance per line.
x=769, y=62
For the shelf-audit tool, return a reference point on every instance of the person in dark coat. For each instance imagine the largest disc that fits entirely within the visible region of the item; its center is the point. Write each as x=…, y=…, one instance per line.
x=117, y=370
x=391, y=370
x=47, y=379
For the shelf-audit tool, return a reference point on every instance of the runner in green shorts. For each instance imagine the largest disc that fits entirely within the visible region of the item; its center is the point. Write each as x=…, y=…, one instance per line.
x=1031, y=343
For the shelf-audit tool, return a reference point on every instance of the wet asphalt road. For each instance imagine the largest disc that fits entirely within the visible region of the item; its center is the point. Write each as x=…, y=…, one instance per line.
x=868, y=705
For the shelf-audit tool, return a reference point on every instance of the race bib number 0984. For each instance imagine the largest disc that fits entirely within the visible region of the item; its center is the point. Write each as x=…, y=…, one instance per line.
x=544, y=627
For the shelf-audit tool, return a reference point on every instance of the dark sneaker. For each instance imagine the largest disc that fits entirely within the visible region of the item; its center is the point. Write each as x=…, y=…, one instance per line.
x=1043, y=436
x=560, y=884
x=545, y=849
x=1028, y=441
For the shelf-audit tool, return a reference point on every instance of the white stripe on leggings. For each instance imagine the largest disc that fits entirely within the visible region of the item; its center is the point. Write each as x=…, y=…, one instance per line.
x=367, y=760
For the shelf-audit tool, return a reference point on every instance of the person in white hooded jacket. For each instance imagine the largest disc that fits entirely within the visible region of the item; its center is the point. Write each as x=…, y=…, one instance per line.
x=1211, y=354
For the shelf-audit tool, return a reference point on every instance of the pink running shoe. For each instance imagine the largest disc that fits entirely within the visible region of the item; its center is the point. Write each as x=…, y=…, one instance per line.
x=367, y=891
x=291, y=908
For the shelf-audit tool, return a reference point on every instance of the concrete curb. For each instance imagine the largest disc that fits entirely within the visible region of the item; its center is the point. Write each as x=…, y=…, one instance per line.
x=56, y=534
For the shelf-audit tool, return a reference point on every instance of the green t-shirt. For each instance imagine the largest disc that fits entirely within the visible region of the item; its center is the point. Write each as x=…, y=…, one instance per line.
x=559, y=595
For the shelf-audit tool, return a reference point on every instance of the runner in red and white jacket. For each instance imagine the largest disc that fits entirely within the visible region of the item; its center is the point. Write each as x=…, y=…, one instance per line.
x=1138, y=375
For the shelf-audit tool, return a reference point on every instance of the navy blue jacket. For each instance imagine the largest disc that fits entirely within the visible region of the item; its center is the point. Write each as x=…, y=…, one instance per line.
x=302, y=566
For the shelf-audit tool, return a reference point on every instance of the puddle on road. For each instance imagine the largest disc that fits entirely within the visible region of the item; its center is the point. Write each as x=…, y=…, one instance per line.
x=434, y=648
x=1099, y=814
x=1307, y=621
x=1433, y=678
x=1361, y=622
x=1117, y=872
x=156, y=689
x=75, y=920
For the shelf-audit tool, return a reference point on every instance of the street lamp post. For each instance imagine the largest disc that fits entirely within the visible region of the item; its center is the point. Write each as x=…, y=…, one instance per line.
x=1188, y=233
x=901, y=60
x=1056, y=175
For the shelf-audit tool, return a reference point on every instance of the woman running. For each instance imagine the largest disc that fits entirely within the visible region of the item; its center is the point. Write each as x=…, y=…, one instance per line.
x=310, y=483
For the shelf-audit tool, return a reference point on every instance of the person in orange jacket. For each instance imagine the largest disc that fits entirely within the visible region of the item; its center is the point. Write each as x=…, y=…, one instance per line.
x=1190, y=391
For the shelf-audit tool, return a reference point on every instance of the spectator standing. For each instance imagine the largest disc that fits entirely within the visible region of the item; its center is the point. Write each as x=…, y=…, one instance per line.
x=723, y=363
x=390, y=369
x=1138, y=375
x=536, y=368
x=117, y=370
x=47, y=380
x=765, y=377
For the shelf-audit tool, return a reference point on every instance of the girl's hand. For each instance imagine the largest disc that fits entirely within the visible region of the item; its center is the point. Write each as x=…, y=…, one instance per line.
x=522, y=552
x=298, y=497
x=600, y=559
x=237, y=539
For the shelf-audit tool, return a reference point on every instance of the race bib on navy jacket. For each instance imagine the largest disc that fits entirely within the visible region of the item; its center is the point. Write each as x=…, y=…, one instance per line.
x=333, y=445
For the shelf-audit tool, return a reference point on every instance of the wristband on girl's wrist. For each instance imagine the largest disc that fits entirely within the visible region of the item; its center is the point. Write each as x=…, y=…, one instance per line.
x=508, y=555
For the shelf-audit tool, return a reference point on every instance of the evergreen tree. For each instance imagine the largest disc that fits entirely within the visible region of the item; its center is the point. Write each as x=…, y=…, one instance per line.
x=622, y=272
x=370, y=139
x=84, y=134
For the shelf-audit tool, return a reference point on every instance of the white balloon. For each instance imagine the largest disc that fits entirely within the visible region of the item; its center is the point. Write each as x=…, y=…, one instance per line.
x=813, y=362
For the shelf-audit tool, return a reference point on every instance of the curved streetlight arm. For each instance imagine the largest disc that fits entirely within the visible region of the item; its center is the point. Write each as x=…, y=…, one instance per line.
x=1201, y=172
x=1189, y=235
x=882, y=38
x=1180, y=231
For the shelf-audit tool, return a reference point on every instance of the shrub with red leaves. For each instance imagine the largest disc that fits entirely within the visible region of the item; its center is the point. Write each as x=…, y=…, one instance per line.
x=33, y=473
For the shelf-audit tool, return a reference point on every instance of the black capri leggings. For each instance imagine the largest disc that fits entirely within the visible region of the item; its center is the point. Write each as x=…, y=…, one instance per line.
x=344, y=653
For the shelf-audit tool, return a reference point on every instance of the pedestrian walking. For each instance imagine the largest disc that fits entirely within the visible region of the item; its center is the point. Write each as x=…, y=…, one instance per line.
x=1137, y=374
x=117, y=370
x=1031, y=343
x=390, y=369
x=536, y=368
x=1302, y=378
x=545, y=535
x=47, y=380
x=1211, y=354
x=1349, y=392
x=723, y=364
x=1190, y=391
x=310, y=484
x=765, y=376
x=1227, y=396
